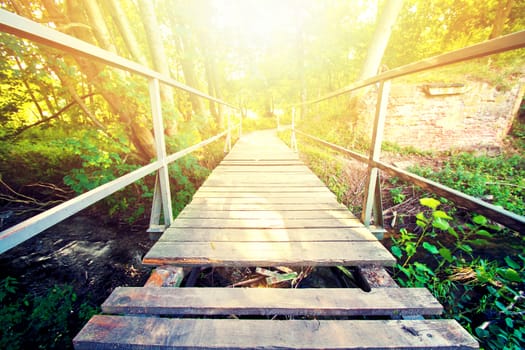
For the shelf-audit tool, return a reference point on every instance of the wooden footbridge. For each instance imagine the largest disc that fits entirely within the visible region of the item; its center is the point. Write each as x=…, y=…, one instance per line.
x=262, y=208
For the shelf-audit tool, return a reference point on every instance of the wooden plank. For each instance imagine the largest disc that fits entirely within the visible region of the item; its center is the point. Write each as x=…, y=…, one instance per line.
x=268, y=254
x=262, y=162
x=238, y=194
x=266, y=223
x=191, y=213
x=265, y=201
x=134, y=332
x=252, y=181
x=249, y=168
x=272, y=301
x=266, y=206
x=264, y=178
x=271, y=189
x=267, y=235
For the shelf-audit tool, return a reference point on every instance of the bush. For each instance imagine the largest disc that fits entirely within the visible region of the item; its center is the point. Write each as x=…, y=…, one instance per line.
x=486, y=297
x=40, y=322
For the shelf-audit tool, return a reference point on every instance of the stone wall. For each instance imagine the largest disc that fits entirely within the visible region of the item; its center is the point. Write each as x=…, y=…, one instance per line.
x=481, y=116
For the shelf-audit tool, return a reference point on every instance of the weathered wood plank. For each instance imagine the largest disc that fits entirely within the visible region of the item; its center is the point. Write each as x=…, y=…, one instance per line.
x=217, y=181
x=251, y=168
x=266, y=223
x=268, y=254
x=237, y=194
x=268, y=189
x=261, y=162
x=133, y=332
x=267, y=235
x=272, y=301
x=285, y=207
x=265, y=178
x=264, y=201
x=197, y=213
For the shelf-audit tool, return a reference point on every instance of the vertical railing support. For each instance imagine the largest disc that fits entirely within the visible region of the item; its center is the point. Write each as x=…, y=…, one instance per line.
x=228, y=143
x=372, y=200
x=240, y=123
x=162, y=186
x=293, y=140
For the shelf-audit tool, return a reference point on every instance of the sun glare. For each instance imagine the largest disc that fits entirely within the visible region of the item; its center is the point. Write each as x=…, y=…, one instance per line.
x=260, y=19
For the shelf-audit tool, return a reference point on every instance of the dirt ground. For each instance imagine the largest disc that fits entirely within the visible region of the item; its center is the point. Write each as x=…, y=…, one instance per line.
x=92, y=257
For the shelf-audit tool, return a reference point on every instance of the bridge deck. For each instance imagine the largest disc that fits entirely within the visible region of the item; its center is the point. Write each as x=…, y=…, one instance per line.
x=263, y=207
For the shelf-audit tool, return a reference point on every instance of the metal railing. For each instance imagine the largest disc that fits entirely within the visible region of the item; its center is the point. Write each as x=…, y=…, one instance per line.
x=27, y=29
x=372, y=199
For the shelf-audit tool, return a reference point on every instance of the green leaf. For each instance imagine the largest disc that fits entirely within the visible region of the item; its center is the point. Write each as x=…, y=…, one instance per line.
x=423, y=268
x=396, y=251
x=453, y=232
x=446, y=254
x=478, y=241
x=509, y=322
x=480, y=220
x=440, y=224
x=441, y=214
x=511, y=262
x=510, y=274
x=430, y=247
x=410, y=248
x=484, y=233
x=422, y=217
x=465, y=248
x=430, y=203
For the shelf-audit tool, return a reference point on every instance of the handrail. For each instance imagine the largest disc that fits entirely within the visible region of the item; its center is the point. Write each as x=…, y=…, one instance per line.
x=26, y=229
x=507, y=218
x=490, y=47
x=372, y=200
x=25, y=28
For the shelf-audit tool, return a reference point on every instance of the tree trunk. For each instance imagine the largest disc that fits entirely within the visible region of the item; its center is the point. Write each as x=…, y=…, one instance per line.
x=382, y=32
x=121, y=20
x=502, y=14
x=188, y=68
x=99, y=28
x=160, y=63
x=125, y=108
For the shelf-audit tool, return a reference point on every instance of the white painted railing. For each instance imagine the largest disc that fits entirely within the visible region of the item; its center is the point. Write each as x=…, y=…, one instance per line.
x=372, y=199
x=27, y=29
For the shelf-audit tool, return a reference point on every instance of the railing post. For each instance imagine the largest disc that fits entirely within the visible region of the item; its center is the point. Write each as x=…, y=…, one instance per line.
x=372, y=200
x=240, y=123
x=163, y=182
x=228, y=144
x=293, y=140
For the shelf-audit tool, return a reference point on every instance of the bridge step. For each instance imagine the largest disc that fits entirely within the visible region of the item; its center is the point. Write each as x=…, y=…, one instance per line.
x=132, y=332
x=272, y=301
x=268, y=254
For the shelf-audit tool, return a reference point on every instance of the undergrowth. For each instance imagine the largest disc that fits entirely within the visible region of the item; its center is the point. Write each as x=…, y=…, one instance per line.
x=485, y=296
x=40, y=322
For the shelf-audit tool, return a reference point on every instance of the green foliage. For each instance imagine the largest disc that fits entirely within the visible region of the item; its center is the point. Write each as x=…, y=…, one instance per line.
x=40, y=322
x=500, y=178
x=397, y=194
x=470, y=288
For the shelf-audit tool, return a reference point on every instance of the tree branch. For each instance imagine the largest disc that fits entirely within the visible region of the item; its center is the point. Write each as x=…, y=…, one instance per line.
x=45, y=120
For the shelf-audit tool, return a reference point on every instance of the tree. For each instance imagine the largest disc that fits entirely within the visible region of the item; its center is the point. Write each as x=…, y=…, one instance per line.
x=378, y=44
x=502, y=14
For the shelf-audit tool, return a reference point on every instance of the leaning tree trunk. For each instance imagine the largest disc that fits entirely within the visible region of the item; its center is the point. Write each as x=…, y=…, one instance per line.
x=124, y=107
x=160, y=63
x=121, y=20
x=502, y=14
x=382, y=32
